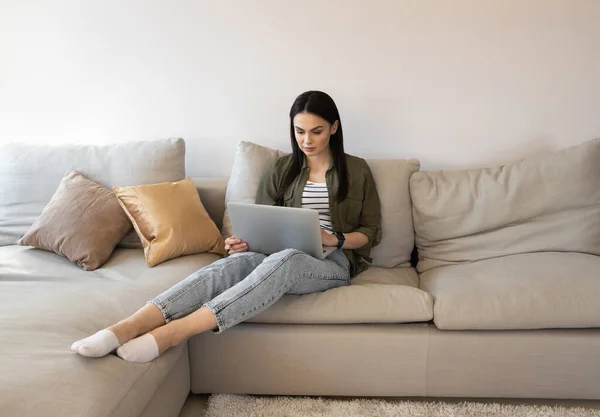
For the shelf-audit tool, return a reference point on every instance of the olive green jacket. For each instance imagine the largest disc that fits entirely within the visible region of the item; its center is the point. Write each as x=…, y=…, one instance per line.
x=359, y=212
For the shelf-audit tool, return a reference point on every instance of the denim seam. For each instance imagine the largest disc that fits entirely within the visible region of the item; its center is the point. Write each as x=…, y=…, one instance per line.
x=342, y=257
x=345, y=260
x=324, y=278
x=217, y=314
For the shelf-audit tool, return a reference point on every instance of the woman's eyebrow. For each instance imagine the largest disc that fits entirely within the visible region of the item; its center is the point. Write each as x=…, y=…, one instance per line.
x=314, y=128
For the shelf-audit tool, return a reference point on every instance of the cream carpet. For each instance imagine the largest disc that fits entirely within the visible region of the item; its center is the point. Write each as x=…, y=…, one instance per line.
x=222, y=405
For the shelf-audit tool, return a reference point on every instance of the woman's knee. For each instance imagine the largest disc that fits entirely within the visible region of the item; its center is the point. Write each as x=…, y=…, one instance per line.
x=240, y=258
x=289, y=252
x=246, y=255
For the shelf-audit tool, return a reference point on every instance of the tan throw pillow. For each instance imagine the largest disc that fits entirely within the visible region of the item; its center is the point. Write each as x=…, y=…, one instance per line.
x=170, y=220
x=82, y=221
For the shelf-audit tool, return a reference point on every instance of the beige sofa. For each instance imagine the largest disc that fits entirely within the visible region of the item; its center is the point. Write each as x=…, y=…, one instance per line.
x=506, y=303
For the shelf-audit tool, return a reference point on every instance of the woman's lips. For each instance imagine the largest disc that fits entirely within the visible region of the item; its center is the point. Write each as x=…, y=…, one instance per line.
x=309, y=149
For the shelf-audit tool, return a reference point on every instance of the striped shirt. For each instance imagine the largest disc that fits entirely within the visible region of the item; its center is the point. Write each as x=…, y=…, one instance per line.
x=316, y=197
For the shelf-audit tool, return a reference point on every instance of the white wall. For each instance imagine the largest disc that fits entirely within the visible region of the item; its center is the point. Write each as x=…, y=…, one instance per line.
x=455, y=83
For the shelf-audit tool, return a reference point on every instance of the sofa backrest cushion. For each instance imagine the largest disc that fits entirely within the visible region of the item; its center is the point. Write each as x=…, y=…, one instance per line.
x=212, y=194
x=397, y=242
x=547, y=202
x=391, y=179
x=249, y=164
x=30, y=175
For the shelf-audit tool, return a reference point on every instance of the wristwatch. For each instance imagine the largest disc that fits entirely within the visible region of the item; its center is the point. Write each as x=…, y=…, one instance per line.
x=341, y=239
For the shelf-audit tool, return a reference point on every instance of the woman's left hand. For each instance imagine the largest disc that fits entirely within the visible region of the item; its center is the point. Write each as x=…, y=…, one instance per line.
x=327, y=239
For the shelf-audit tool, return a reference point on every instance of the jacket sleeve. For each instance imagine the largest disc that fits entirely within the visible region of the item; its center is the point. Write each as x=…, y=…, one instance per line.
x=369, y=222
x=267, y=189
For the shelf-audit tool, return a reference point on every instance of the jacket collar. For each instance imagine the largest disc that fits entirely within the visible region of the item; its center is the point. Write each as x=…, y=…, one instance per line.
x=305, y=166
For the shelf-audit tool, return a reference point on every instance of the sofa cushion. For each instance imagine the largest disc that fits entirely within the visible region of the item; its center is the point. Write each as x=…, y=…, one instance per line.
x=30, y=174
x=170, y=220
x=249, y=164
x=46, y=303
x=527, y=291
x=397, y=242
x=391, y=276
x=377, y=295
x=548, y=202
x=83, y=222
x=391, y=179
x=212, y=195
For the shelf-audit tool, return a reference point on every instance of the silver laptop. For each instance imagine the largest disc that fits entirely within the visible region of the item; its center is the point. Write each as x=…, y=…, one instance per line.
x=270, y=229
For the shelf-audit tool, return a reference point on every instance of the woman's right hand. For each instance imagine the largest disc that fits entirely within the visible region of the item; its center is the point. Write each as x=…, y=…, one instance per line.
x=235, y=245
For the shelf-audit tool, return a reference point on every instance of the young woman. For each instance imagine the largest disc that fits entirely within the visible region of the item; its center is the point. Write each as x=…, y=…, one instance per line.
x=317, y=175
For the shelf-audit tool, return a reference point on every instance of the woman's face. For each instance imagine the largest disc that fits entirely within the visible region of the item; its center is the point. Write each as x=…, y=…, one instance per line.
x=312, y=133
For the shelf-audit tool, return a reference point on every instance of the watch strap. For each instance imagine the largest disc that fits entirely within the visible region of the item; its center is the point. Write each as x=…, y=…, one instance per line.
x=341, y=239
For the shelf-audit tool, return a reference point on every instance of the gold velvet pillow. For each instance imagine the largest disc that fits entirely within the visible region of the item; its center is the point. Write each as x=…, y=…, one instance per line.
x=170, y=220
x=82, y=221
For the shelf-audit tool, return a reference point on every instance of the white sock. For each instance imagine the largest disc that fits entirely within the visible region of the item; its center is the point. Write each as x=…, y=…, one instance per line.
x=140, y=350
x=99, y=344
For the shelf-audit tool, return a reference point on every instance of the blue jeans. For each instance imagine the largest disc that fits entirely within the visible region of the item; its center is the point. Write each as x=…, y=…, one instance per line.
x=244, y=284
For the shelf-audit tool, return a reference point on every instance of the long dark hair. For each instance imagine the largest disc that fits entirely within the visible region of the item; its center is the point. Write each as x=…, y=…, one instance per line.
x=322, y=105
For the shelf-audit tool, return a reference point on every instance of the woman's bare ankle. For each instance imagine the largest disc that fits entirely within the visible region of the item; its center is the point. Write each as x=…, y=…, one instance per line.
x=172, y=334
x=125, y=330
x=141, y=322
